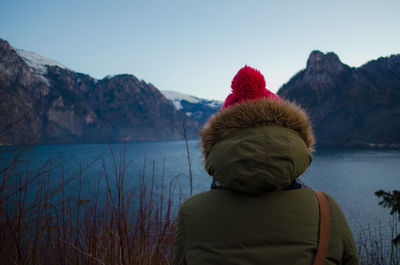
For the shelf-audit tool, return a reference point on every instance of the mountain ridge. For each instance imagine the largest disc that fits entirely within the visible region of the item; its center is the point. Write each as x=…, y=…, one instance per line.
x=349, y=106
x=44, y=103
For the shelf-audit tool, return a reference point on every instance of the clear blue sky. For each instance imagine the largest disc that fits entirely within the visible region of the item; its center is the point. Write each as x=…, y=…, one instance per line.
x=196, y=47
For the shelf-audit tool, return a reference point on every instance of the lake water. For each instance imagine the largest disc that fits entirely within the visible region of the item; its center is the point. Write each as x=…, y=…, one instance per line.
x=350, y=176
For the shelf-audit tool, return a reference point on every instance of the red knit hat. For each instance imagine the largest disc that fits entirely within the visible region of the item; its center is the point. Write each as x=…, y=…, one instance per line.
x=248, y=84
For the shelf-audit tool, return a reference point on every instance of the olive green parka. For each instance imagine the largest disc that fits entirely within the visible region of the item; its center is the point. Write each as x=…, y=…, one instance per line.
x=255, y=150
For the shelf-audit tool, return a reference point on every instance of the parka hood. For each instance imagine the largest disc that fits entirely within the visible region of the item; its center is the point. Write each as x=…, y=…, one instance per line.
x=257, y=146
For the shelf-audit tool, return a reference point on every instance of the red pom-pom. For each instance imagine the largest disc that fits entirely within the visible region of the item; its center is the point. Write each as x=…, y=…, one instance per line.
x=248, y=83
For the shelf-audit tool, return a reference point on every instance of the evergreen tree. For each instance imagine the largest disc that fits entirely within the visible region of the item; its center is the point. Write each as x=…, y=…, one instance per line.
x=391, y=200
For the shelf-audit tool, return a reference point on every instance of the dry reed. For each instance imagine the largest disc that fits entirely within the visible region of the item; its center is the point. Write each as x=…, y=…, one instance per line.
x=43, y=224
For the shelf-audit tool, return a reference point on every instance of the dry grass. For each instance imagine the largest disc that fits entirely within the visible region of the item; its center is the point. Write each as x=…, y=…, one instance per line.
x=375, y=247
x=41, y=224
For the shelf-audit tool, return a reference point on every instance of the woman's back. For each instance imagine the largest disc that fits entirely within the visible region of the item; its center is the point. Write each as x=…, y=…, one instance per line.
x=227, y=227
x=255, y=148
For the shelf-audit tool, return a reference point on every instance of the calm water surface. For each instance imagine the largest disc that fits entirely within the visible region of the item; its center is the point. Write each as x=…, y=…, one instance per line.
x=350, y=176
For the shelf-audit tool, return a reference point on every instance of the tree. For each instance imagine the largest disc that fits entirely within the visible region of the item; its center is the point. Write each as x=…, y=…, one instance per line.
x=391, y=200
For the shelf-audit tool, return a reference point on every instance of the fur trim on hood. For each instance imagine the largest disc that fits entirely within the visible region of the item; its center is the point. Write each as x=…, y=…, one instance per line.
x=249, y=114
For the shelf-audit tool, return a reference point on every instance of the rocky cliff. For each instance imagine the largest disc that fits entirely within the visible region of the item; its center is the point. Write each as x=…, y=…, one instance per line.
x=349, y=106
x=44, y=102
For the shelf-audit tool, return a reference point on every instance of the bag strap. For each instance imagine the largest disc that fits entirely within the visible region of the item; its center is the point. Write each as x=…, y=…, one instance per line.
x=324, y=228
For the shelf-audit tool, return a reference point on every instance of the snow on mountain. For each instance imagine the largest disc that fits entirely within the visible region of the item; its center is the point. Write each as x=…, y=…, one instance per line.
x=177, y=104
x=176, y=96
x=37, y=62
x=214, y=103
x=194, y=107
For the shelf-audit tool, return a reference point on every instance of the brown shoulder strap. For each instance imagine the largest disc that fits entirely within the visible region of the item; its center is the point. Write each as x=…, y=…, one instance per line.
x=324, y=228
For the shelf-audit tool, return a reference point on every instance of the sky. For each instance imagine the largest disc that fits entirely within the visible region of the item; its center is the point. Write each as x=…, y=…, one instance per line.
x=196, y=47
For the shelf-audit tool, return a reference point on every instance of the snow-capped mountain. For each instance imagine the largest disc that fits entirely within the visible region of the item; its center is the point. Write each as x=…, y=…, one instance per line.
x=194, y=107
x=36, y=61
x=42, y=101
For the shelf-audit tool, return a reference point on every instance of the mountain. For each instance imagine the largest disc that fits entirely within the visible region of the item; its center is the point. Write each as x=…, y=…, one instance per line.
x=43, y=101
x=196, y=108
x=349, y=106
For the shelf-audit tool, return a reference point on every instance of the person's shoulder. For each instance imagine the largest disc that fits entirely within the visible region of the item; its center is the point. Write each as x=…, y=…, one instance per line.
x=200, y=199
x=331, y=200
x=336, y=211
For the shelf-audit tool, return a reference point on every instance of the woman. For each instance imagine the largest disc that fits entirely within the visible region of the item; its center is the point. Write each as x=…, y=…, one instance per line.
x=256, y=212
